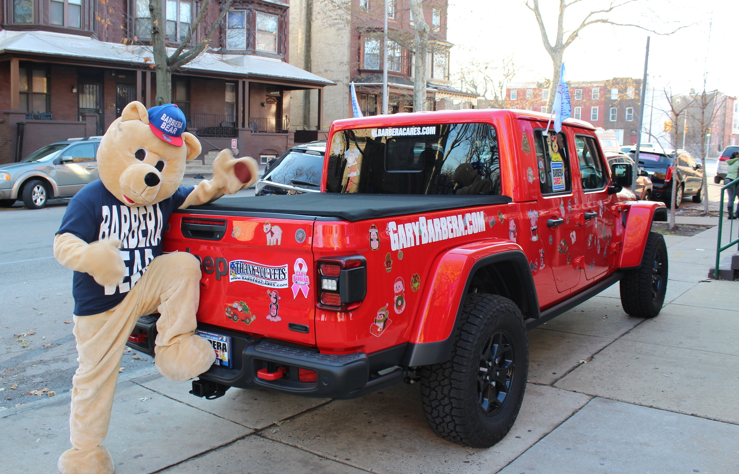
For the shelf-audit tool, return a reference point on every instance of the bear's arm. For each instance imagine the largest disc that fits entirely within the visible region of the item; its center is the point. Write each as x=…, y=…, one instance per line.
x=100, y=259
x=230, y=175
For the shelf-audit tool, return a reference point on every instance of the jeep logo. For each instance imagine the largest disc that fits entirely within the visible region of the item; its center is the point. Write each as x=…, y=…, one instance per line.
x=211, y=265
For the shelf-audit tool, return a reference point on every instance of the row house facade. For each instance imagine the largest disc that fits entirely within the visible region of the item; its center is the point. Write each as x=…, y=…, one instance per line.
x=69, y=67
x=347, y=46
x=711, y=128
x=611, y=104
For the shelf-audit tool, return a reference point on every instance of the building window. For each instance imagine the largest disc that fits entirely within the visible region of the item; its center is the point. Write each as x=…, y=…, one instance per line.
x=142, y=24
x=436, y=19
x=65, y=13
x=181, y=95
x=394, y=57
x=593, y=113
x=264, y=159
x=231, y=102
x=179, y=19
x=391, y=9
x=544, y=109
x=578, y=113
x=629, y=114
x=266, y=32
x=364, y=4
x=440, y=66
x=22, y=11
x=529, y=94
x=545, y=94
x=236, y=34
x=34, y=89
x=631, y=92
x=368, y=102
x=614, y=94
x=578, y=94
x=613, y=114
x=595, y=94
x=371, y=53
x=514, y=94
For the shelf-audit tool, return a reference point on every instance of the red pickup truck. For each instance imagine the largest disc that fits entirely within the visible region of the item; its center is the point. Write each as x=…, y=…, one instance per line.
x=437, y=241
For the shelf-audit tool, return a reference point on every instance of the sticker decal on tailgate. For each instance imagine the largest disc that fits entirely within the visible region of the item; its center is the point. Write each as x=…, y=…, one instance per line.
x=263, y=275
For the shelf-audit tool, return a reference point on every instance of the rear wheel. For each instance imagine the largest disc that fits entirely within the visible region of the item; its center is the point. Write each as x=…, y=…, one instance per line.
x=698, y=197
x=678, y=198
x=7, y=202
x=35, y=194
x=643, y=289
x=648, y=195
x=474, y=398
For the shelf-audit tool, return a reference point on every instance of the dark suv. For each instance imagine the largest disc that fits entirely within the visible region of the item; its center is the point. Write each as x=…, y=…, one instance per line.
x=664, y=172
x=57, y=170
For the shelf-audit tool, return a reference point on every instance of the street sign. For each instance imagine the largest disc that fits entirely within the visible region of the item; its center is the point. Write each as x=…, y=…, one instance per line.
x=233, y=142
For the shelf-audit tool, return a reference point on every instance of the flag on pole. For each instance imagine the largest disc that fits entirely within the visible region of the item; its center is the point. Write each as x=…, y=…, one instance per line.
x=561, y=108
x=355, y=105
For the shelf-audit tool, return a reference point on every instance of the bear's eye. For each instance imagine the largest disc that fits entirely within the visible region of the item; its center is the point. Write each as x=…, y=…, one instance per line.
x=160, y=165
x=140, y=154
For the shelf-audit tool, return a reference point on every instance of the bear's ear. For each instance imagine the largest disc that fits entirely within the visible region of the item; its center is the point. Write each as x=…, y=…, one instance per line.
x=135, y=111
x=192, y=144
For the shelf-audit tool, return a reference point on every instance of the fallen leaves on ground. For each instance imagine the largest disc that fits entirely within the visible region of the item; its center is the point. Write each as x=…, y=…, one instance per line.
x=40, y=393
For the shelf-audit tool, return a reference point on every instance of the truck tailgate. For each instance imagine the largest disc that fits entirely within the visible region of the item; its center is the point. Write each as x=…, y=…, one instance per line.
x=258, y=274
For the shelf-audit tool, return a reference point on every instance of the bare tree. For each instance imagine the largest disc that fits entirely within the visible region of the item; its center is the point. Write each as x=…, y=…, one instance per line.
x=488, y=79
x=421, y=38
x=164, y=63
x=563, y=39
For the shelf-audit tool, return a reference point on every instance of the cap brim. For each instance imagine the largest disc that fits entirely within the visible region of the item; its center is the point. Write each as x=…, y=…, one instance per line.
x=176, y=141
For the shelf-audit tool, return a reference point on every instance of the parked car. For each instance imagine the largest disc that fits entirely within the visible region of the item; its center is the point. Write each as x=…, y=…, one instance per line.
x=297, y=171
x=723, y=168
x=644, y=185
x=57, y=170
x=664, y=170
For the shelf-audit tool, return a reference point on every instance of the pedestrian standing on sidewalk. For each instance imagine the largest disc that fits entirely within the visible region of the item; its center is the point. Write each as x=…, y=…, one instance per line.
x=731, y=175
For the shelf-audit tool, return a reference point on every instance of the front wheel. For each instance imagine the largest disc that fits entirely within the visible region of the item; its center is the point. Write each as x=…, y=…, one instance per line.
x=643, y=288
x=474, y=398
x=34, y=194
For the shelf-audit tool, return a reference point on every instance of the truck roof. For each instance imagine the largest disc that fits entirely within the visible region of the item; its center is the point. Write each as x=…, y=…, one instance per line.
x=447, y=116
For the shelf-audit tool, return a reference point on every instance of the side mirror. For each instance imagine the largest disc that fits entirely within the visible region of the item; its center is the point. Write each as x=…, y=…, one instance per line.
x=623, y=174
x=67, y=159
x=698, y=166
x=643, y=173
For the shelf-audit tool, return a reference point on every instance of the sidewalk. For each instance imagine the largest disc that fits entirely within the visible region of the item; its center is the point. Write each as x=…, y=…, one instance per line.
x=607, y=393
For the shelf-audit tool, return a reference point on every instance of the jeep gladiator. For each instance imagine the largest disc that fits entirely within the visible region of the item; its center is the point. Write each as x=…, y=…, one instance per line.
x=437, y=241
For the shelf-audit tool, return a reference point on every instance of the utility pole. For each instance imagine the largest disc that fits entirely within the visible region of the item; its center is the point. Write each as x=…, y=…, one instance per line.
x=641, y=117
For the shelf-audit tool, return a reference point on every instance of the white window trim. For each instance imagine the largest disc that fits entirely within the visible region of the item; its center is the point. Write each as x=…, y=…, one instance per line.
x=613, y=114
x=595, y=93
x=577, y=113
x=629, y=114
x=614, y=94
x=594, y=113
x=514, y=94
x=264, y=159
x=545, y=94
x=578, y=94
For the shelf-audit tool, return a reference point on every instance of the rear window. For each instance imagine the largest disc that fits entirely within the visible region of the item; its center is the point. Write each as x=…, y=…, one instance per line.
x=647, y=158
x=425, y=159
x=729, y=150
x=298, y=168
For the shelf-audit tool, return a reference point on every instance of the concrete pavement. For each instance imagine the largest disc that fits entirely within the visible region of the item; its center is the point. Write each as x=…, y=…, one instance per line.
x=607, y=393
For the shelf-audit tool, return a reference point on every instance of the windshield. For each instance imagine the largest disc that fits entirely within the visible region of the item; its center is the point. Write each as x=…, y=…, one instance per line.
x=427, y=159
x=46, y=153
x=298, y=169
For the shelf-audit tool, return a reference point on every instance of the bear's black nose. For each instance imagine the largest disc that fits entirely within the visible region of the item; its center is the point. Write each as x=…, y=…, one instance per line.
x=151, y=179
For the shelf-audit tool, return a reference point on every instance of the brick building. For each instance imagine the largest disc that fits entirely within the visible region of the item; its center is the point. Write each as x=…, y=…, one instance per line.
x=345, y=45
x=68, y=67
x=612, y=104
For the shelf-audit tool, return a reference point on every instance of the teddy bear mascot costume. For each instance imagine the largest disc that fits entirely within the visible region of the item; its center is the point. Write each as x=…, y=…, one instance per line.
x=111, y=236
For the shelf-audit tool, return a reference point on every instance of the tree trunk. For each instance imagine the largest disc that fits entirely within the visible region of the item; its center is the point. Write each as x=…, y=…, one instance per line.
x=159, y=45
x=557, y=69
x=421, y=42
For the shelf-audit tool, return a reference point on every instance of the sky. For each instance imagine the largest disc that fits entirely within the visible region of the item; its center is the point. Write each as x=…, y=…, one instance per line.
x=495, y=29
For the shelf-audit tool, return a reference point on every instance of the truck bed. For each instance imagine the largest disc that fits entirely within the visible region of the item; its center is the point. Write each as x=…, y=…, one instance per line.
x=346, y=207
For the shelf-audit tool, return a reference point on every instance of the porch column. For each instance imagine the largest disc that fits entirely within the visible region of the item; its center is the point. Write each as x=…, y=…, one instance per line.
x=240, y=104
x=147, y=85
x=247, y=107
x=15, y=83
x=320, y=109
x=139, y=84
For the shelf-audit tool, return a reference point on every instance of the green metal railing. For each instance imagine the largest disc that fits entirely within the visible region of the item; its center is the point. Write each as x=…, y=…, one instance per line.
x=720, y=248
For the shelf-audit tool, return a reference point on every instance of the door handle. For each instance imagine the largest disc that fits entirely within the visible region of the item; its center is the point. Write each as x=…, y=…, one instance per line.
x=555, y=222
x=590, y=215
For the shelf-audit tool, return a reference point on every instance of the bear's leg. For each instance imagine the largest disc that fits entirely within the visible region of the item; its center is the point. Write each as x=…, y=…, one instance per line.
x=173, y=281
x=100, y=342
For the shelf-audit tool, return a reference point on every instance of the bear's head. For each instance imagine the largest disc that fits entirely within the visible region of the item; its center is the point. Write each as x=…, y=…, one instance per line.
x=142, y=156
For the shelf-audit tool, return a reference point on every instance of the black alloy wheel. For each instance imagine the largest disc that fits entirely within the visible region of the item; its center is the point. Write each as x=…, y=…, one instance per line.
x=496, y=374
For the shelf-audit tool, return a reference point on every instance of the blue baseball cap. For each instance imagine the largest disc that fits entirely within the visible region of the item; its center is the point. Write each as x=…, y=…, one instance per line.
x=168, y=123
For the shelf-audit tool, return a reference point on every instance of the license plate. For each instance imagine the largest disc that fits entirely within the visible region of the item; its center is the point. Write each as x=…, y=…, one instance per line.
x=221, y=344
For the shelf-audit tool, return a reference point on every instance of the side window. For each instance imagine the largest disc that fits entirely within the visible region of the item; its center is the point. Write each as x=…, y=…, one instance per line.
x=689, y=161
x=553, y=161
x=591, y=165
x=81, y=153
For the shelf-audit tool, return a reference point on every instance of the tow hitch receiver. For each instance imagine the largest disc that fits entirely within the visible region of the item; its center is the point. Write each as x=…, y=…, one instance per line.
x=207, y=389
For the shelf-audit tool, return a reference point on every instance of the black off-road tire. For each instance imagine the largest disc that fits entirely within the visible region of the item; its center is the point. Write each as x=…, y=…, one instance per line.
x=643, y=289
x=7, y=202
x=35, y=194
x=460, y=402
x=697, y=197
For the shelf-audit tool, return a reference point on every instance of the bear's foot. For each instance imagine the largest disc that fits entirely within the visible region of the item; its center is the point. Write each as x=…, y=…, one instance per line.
x=185, y=359
x=95, y=460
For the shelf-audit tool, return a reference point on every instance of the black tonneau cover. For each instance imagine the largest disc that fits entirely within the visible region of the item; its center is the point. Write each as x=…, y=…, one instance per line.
x=346, y=207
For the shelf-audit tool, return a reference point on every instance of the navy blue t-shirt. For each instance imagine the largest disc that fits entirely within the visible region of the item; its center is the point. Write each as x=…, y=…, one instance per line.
x=94, y=214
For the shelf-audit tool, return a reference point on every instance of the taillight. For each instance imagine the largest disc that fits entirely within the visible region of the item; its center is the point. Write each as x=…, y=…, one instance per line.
x=723, y=158
x=343, y=282
x=668, y=176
